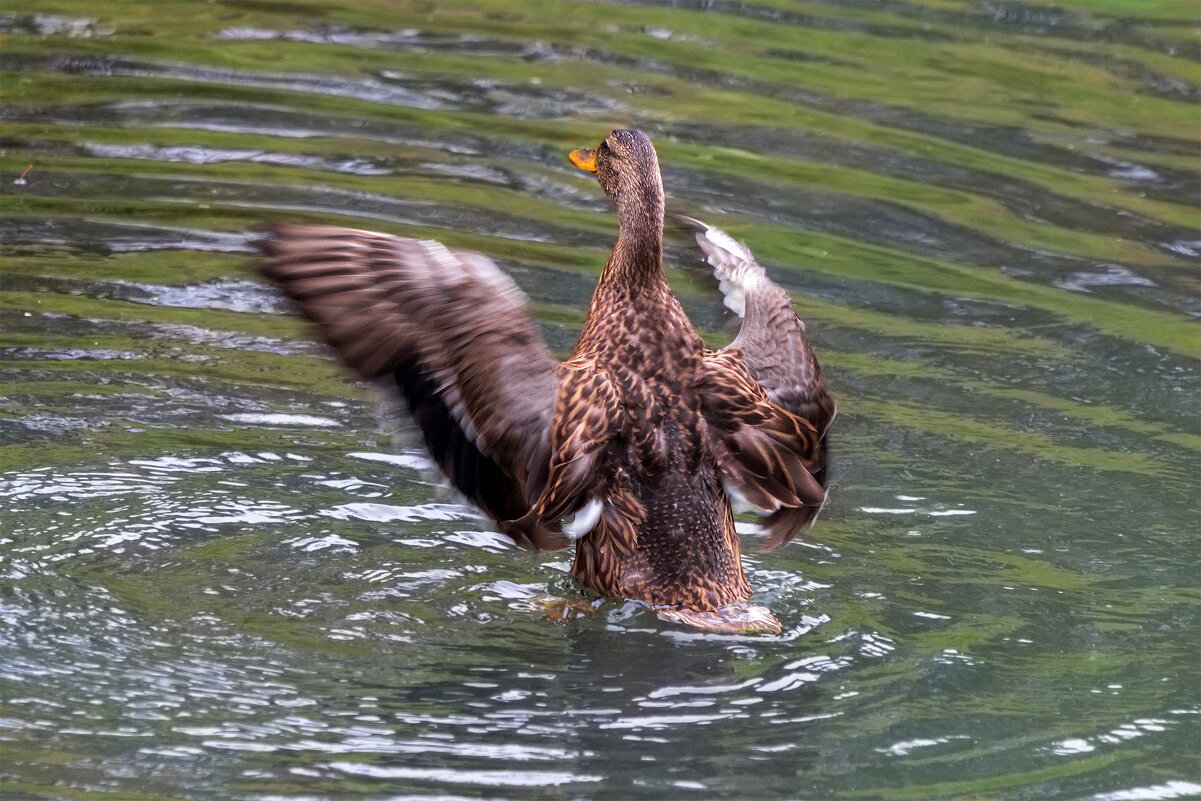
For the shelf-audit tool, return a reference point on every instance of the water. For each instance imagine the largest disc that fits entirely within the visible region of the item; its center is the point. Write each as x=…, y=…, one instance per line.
x=224, y=577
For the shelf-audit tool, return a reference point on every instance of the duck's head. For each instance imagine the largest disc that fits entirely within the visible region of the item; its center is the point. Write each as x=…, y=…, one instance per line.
x=627, y=169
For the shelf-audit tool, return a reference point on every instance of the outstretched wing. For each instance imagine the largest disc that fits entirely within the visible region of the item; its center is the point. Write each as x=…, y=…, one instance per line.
x=771, y=348
x=450, y=331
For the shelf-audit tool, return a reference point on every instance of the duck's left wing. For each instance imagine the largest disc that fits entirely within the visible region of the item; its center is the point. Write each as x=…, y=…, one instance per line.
x=772, y=351
x=450, y=331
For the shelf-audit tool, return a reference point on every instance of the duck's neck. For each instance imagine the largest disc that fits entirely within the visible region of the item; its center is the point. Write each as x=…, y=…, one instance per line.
x=638, y=255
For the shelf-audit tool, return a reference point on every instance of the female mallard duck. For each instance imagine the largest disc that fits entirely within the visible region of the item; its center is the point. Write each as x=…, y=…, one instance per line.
x=644, y=435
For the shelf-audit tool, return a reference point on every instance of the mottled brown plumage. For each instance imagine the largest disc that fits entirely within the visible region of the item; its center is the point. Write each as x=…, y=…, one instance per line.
x=643, y=434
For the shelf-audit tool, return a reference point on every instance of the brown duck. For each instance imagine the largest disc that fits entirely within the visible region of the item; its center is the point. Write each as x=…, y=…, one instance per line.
x=639, y=444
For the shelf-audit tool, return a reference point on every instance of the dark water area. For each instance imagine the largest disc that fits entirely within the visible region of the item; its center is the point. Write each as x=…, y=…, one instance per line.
x=226, y=572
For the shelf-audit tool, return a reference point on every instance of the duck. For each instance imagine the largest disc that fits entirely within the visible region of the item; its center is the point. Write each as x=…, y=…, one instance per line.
x=641, y=445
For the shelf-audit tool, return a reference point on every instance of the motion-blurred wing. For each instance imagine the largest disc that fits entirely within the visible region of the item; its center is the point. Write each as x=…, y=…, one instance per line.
x=450, y=330
x=772, y=347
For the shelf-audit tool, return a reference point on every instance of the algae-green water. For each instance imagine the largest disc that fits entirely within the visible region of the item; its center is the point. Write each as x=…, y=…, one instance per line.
x=227, y=572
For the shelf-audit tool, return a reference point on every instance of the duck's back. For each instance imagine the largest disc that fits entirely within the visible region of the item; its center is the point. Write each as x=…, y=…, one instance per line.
x=658, y=471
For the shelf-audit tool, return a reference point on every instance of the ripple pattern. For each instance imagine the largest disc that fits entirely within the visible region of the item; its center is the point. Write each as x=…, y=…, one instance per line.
x=228, y=572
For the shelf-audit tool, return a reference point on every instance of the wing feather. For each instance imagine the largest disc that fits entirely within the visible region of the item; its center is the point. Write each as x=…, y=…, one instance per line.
x=450, y=332
x=769, y=382
x=586, y=418
x=771, y=338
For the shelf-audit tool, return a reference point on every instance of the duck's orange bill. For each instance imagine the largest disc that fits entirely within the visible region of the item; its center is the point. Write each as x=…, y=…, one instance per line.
x=584, y=159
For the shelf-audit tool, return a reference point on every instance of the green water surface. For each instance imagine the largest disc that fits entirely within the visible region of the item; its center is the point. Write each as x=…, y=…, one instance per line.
x=226, y=572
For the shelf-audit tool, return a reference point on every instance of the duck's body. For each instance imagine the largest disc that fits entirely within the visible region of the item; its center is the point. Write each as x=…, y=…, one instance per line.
x=676, y=545
x=643, y=434
x=668, y=538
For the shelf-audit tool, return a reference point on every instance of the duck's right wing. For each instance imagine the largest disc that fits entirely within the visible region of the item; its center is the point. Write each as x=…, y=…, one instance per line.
x=772, y=338
x=450, y=330
x=772, y=347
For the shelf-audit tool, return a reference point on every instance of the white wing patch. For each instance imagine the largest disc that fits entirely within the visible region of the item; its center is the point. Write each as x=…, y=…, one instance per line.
x=739, y=502
x=727, y=242
x=735, y=268
x=584, y=520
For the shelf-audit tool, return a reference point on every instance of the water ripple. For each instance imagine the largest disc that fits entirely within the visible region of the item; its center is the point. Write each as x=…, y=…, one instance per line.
x=221, y=577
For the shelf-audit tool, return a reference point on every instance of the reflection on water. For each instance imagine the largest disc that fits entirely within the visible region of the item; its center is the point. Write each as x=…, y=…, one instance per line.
x=226, y=575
